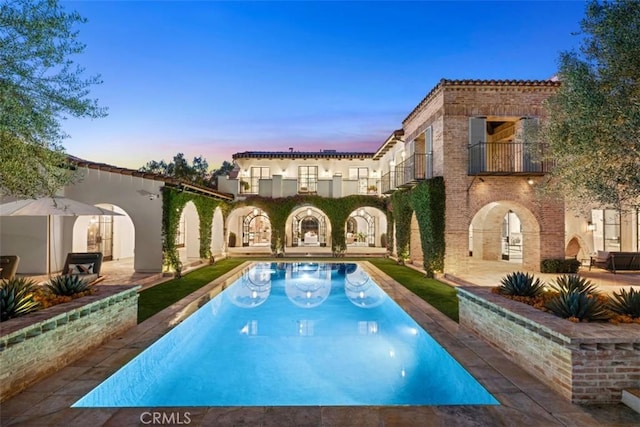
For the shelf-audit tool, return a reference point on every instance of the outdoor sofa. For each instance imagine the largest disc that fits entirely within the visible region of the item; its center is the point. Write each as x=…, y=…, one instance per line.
x=615, y=261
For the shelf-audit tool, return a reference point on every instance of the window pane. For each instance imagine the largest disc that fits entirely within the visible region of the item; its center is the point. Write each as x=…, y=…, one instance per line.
x=611, y=230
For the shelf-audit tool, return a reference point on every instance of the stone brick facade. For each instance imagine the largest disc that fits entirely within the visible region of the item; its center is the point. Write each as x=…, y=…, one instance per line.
x=589, y=363
x=482, y=202
x=40, y=343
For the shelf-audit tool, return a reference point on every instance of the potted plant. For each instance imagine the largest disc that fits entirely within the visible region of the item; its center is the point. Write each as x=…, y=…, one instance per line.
x=244, y=186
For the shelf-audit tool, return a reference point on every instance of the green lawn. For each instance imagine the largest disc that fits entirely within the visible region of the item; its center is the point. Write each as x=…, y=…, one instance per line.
x=153, y=300
x=440, y=295
x=161, y=296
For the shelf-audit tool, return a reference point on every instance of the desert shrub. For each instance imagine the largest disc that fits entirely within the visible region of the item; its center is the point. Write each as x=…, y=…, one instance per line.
x=521, y=284
x=626, y=303
x=559, y=266
x=579, y=306
x=573, y=283
x=67, y=285
x=16, y=297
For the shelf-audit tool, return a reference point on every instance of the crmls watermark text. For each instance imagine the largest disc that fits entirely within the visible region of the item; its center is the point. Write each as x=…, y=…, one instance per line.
x=160, y=418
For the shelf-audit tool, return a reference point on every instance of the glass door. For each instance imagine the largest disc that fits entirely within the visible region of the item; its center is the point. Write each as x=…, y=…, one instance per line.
x=100, y=236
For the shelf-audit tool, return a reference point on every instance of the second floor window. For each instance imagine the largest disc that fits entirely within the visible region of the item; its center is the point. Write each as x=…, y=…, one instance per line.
x=362, y=176
x=257, y=173
x=307, y=179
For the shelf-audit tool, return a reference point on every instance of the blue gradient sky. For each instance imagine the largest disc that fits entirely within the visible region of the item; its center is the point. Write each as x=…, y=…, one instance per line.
x=215, y=78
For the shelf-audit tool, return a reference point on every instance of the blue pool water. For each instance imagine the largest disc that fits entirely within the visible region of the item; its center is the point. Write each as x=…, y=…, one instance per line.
x=301, y=334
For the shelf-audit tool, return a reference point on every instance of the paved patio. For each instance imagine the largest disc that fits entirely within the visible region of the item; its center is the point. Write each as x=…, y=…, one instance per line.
x=524, y=400
x=489, y=273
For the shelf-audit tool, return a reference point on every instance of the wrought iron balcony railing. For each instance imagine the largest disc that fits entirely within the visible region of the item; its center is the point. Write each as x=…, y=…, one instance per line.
x=508, y=158
x=387, y=182
x=416, y=167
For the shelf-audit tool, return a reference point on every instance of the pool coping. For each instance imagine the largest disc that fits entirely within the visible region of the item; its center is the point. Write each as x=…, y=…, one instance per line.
x=524, y=400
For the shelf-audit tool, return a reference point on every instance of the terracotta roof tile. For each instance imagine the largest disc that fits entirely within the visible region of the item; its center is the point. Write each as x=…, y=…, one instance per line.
x=169, y=181
x=475, y=82
x=326, y=154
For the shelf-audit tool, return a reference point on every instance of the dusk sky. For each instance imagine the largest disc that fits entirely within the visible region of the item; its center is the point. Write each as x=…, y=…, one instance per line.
x=215, y=78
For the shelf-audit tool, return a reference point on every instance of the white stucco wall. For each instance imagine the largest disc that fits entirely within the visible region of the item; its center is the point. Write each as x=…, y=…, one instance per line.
x=132, y=195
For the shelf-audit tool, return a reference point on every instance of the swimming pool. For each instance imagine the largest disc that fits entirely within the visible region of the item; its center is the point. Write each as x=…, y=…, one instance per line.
x=293, y=334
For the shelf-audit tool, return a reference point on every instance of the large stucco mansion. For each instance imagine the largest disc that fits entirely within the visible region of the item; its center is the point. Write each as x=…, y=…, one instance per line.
x=476, y=135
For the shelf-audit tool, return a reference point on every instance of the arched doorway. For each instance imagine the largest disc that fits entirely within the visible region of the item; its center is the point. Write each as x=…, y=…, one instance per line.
x=309, y=228
x=217, y=232
x=360, y=229
x=188, y=235
x=114, y=236
x=256, y=229
x=505, y=231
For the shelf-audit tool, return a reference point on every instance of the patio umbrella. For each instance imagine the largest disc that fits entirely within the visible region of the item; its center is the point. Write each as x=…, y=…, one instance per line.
x=49, y=207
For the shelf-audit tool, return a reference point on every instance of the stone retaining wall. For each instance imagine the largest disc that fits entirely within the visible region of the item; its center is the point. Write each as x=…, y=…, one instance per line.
x=589, y=363
x=40, y=343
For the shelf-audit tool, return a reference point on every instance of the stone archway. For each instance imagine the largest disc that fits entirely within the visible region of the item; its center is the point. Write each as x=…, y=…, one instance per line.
x=487, y=234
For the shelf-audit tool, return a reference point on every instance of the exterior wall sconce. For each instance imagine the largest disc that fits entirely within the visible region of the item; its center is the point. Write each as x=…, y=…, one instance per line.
x=530, y=181
x=591, y=226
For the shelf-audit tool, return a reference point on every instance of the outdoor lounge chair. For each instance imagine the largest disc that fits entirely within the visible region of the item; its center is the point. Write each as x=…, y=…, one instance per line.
x=85, y=264
x=9, y=266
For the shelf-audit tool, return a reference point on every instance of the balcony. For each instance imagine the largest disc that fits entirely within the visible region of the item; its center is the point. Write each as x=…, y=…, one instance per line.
x=387, y=183
x=508, y=158
x=285, y=187
x=417, y=167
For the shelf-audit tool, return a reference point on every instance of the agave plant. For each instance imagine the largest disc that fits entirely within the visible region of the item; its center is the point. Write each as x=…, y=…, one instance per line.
x=521, y=284
x=626, y=303
x=16, y=297
x=67, y=285
x=570, y=283
x=580, y=305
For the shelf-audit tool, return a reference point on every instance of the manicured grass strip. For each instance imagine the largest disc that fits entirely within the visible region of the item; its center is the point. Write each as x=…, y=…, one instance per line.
x=159, y=297
x=440, y=295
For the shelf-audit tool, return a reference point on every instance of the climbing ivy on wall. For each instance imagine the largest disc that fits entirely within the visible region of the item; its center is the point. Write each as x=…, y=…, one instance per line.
x=401, y=206
x=173, y=202
x=337, y=210
x=428, y=202
x=206, y=207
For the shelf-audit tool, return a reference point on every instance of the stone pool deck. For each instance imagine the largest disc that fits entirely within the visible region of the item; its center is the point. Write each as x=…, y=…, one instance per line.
x=523, y=399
